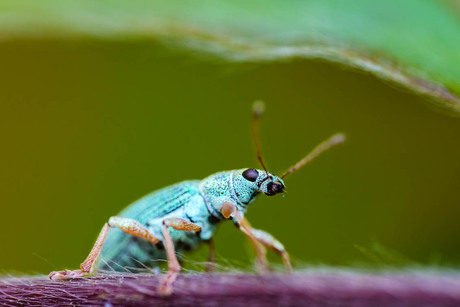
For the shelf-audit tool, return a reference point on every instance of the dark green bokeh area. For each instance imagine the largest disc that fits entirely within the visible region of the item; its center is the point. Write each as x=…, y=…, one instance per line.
x=88, y=127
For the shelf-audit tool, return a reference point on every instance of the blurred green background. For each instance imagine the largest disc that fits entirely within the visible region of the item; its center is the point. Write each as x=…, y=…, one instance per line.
x=87, y=127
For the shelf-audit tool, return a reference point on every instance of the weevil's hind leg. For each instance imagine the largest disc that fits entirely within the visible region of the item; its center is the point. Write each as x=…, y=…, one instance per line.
x=126, y=225
x=270, y=242
x=230, y=210
x=165, y=287
x=211, y=264
x=86, y=266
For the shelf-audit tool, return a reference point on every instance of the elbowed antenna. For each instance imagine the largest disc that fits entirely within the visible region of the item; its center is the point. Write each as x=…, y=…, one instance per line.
x=257, y=111
x=334, y=140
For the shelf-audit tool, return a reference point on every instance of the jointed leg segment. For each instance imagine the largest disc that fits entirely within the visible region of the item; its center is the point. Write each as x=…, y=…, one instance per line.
x=211, y=265
x=259, y=239
x=135, y=228
x=126, y=225
x=174, y=266
x=229, y=210
x=270, y=242
x=87, y=265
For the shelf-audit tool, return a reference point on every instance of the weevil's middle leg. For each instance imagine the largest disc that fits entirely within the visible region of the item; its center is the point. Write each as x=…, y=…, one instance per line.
x=126, y=225
x=174, y=266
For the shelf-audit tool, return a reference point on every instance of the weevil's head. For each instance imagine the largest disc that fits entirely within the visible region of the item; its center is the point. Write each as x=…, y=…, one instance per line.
x=250, y=182
x=264, y=182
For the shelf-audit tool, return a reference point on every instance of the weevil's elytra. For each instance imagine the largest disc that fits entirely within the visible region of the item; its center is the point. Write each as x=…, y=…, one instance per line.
x=182, y=216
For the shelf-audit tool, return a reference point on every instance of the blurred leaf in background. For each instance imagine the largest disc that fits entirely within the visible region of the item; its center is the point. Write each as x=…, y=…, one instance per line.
x=103, y=102
x=415, y=43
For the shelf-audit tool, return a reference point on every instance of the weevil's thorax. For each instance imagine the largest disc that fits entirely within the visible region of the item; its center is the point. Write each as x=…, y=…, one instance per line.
x=240, y=187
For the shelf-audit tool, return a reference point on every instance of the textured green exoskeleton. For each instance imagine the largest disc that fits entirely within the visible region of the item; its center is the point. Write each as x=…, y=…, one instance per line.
x=197, y=201
x=181, y=216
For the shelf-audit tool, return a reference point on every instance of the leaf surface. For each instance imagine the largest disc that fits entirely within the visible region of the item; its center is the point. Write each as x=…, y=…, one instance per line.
x=414, y=43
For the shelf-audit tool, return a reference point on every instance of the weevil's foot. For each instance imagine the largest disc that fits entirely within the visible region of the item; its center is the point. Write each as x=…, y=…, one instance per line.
x=66, y=275
x=165, y=290
x=165, y=287
x=211, y=267
x=287, y=263
x=263, y=267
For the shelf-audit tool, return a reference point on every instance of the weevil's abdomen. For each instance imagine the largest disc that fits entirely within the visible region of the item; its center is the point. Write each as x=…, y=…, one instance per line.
x=121, y=251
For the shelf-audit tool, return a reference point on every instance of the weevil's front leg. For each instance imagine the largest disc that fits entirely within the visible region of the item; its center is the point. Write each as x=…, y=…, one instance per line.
x=126, y=225
x=270, y=242
x=229, y=210
x=260, y=236
x=174, y=266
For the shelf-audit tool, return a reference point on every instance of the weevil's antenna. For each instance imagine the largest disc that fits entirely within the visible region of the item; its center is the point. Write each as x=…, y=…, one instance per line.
x=334, y=140
x=257, y=111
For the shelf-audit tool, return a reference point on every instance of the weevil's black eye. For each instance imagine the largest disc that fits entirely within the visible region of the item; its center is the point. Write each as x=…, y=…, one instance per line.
x=274, y=188
x=250, y=174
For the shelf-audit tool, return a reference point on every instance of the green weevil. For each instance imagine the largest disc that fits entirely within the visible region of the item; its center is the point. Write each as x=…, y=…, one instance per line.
x=181, y=216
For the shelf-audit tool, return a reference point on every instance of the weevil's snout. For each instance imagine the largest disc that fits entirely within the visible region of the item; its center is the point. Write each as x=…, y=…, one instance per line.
x=272, y=185
x=274, y=188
